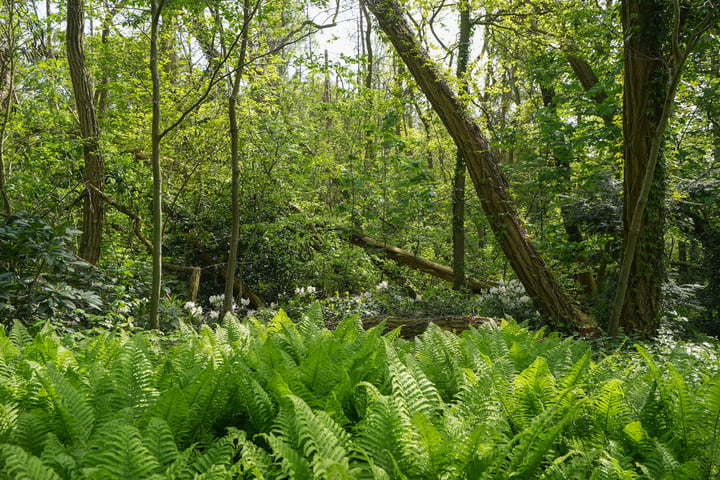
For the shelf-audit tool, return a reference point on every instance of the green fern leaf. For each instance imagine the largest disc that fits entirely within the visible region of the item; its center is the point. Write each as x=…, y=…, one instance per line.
x=221, y=455
x=132, y=376
x=611, y=412
x=17, y=464
x=30, y=432
x=256, y=403
x=172, y=408
x=293, y=464
x=159, y=441
x=19, y=336
x=439, y=355
x=118, y=450
x=73, y=417
x=411, y=384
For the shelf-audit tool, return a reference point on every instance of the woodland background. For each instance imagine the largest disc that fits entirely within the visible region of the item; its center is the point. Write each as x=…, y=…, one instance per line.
x=201, y=126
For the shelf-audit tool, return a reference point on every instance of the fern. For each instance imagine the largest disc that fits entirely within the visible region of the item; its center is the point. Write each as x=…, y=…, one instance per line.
x=30, y=432
x=173, y=409
x=132, y=377
x=17, y=464
x=314, y=434
x=19, y=336
x=159, y=442
x=707, y=420
x=411, y=384
x=440, y=357
x=73, y=418
x=220, y=456
x=610, y=409
x=117, y=451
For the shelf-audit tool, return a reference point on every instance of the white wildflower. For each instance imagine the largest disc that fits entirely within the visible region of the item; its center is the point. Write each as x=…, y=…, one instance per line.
x=244, y=302
x=382, y=285
x=310, y=290
x=214, y=315
x=189, y=305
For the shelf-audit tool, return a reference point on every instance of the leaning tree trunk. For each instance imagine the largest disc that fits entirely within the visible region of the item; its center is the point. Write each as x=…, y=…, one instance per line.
x=490, y=185
x=93, y=206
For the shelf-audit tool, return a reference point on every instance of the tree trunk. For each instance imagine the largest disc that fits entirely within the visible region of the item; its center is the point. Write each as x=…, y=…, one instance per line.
x=413, y=261
x=156, y=7
x=93, y=207
x=458, y=198
x=645, y=86
x=490, y=185
x=235, y=161
x=7, y=84
x=651, y=81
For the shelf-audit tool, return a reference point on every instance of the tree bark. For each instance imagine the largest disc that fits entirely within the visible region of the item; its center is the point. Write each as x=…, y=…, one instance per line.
x=651, y=81
x=235, y=162
x=156, y=137
x=490, y=185
x=7, y=84
x=458, y=197
x=413, y=261
x=93, y=207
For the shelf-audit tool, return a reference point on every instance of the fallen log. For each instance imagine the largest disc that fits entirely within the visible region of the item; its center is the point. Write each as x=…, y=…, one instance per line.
x=413, y=261
x=412, y=327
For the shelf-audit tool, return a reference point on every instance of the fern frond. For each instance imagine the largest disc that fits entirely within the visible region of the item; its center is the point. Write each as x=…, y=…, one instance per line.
x=611, y=412
x=133, y=378
x=317, y=371
x=236, y=331
x=411, y=384
x=18, y=464
x=8, y=419
x=60, y=457
x=221, y=455
x=531, y=393
x=440, y=356
x=707, y=420
x=73, y=418
x=287, y=337
x=314, y=434
x=172, y=408
x=293, y=464
x=19, y=336
x=30, y=432
x=311, y=323
x=256, y=403
x=159, y=441
x=387, y=435
x=118, y=450
x=207, y=397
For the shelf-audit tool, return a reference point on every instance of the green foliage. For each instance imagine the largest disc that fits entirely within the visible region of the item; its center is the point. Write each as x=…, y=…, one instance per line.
x=294, y=400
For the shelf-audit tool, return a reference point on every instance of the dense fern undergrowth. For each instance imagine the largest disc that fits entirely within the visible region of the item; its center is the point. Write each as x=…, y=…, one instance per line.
x=295, y=400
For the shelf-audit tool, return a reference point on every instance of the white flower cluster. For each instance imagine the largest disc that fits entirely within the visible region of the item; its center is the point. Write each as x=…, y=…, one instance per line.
x=382, y=285
x=508, y=298
x=309, y=290
x=193, y=309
